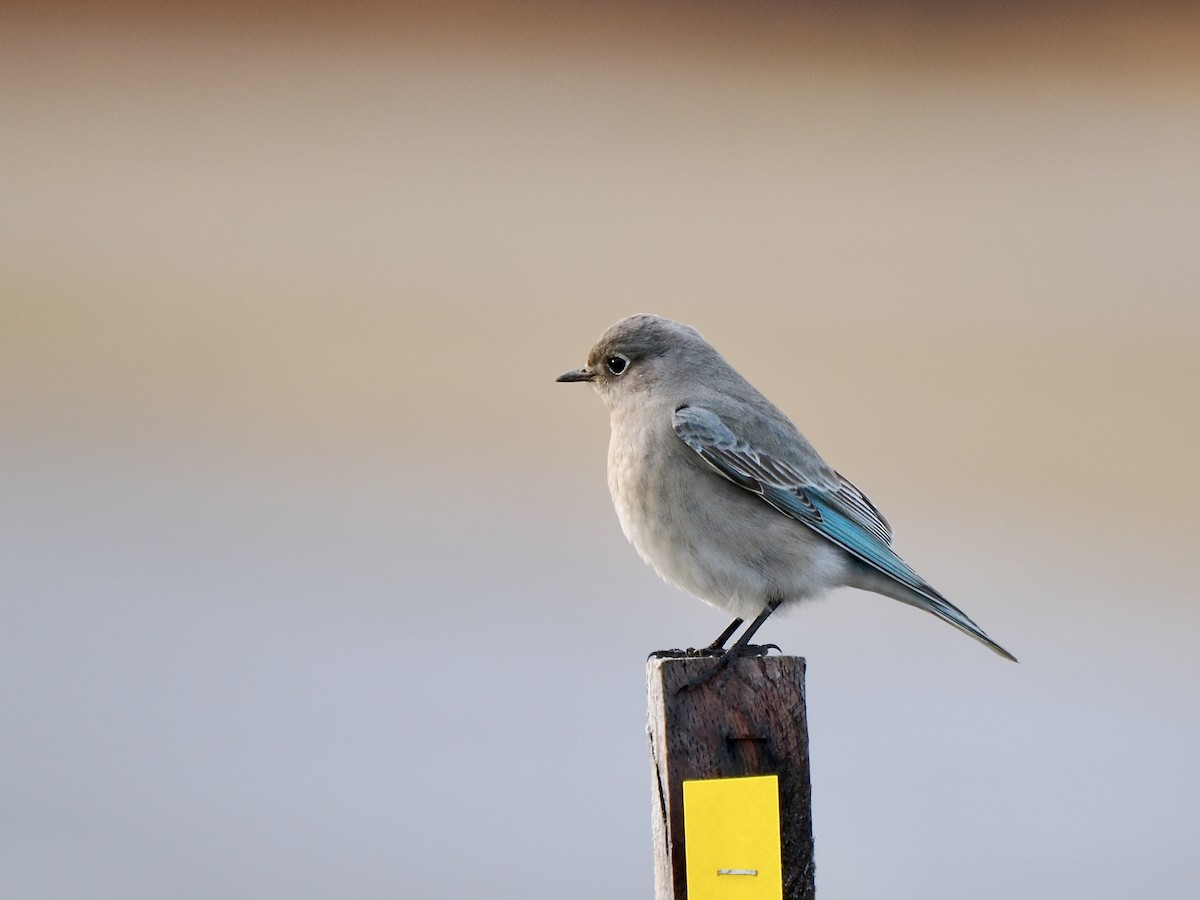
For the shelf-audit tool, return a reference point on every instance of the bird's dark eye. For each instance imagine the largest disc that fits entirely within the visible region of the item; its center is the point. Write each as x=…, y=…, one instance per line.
x=617, y=363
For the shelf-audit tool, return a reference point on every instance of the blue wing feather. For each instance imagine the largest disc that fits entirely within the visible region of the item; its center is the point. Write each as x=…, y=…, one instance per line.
x=845, y=532
x=826, y=502
x=841, y=513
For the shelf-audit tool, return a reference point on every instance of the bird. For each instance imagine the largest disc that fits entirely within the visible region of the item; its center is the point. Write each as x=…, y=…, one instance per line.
x=720, y=493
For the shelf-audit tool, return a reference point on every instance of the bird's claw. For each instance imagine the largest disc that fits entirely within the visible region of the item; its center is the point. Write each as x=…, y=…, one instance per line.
x=758, y=649
x=721, y=666
x=689, y=653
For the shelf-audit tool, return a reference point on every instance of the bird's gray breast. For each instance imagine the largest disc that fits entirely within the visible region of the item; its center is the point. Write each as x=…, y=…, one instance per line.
x=703, y=533
x=695, y=528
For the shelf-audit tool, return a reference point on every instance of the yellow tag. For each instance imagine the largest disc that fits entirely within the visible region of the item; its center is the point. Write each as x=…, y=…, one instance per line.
x=731, y=829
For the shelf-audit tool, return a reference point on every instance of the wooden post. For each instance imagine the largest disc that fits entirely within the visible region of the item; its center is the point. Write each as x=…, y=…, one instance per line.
x=749, y=720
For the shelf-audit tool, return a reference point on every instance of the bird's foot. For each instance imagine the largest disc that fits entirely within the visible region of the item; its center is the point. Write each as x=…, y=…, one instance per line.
x=758, y=649
x=721, y=666
x=689, y=653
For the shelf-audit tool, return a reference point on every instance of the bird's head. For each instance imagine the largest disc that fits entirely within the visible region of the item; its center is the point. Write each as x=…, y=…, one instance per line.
x=639, y=353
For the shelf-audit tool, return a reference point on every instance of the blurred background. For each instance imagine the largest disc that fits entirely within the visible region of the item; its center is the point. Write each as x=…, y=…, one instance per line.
x=310, y=585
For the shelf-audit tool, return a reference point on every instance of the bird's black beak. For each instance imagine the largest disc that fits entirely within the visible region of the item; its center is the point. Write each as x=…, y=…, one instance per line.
x=584, y=374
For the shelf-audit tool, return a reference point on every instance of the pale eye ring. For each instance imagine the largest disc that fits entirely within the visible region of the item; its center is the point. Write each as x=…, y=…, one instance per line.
x=616, y=363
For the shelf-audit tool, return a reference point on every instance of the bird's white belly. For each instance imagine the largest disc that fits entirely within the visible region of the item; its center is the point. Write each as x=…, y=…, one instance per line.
x=736, y=554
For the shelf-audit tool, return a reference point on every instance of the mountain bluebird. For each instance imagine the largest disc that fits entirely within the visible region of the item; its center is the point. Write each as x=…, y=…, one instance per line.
x=723, y=496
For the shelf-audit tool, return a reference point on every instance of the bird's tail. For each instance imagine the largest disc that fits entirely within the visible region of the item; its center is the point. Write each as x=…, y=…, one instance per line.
x=930, y=600
x=947, y=611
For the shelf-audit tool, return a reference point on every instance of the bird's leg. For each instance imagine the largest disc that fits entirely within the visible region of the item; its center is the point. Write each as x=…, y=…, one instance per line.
x=742, y=647
x=716, y=648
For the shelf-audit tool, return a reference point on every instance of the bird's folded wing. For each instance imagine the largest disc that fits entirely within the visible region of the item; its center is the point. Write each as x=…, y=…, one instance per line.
x=836, y=510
